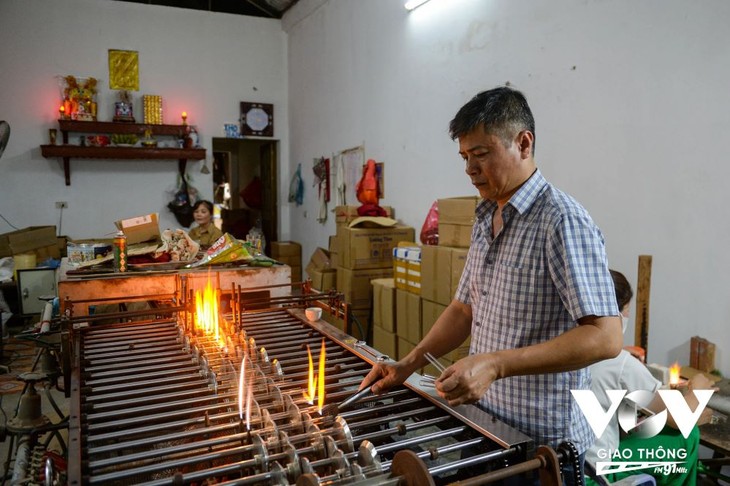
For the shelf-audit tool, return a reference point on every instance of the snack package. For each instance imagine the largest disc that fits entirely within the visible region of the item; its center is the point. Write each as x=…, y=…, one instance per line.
x=225, y=249
x=178, y=245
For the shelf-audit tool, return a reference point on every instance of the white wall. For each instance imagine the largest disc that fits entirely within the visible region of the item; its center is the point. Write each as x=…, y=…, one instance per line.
x=631, y=103
x=630, y=98
x=200, y=62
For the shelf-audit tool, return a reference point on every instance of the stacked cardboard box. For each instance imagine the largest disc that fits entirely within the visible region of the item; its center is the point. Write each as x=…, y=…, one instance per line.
x=289, y=253
x=442, y=265
x=456, y=218
x=407, y=267
x=321, y=271
x=362, y=252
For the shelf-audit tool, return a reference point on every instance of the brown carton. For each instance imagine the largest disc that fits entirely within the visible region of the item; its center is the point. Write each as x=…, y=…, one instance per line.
x=404, y=347
x=322, y=279
x=283, y=249
x=356, y=286
x=384, y=303
x=430, y=311
x=362, y=247
x=456, y=235
x=140, y=228
x=457, y=210
x=320, y=260
x=436, y=273
x=28, y=239
x=408, y=315
x=385, y=341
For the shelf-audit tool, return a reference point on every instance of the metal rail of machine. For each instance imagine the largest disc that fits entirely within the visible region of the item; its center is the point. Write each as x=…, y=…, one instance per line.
x=160, y=401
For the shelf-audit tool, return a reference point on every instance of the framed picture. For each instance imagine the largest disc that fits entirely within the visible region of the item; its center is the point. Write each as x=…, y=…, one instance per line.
x=257, y=119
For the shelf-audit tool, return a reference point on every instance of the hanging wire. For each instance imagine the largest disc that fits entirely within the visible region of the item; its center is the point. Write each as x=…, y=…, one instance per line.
x=11, y=224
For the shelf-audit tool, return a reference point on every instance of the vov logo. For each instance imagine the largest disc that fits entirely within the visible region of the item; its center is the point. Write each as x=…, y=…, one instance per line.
x=598, y=418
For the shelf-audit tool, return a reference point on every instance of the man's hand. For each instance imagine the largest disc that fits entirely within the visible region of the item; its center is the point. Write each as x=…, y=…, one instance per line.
x=468, y=379
x=700, y=382
x=385, y=376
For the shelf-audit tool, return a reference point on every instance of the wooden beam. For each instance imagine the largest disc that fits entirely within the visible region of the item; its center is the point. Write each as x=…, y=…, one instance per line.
x=643, y=289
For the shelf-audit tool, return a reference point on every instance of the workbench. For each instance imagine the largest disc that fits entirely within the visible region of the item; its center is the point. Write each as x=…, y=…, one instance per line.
x=76, y=287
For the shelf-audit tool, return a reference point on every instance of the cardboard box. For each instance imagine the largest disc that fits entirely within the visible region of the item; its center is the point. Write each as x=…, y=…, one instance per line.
x=283, y=249
x=346, y=214
x=334, y=248
x=334, y=244
x=457, y=210
x=455, y=235
x=408, y=315
x=456, y=218
x=458, y=261
x=460, y=352
x=320, y=260
x=27, y=239
x=296, y=274
x=407, y=267
x=356, y=286
x=362, y=248
x=404, y=347
x=430, y=311
x=140, y=228
x=384, y=303
x=322, y=279
x=441, y=268
x=436, y=273
x=385, y=341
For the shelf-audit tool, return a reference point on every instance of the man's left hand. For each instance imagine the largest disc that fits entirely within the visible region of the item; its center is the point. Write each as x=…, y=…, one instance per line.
x=468, y=379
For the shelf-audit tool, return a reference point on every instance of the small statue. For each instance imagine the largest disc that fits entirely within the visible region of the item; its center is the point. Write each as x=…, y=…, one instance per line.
x=123, y=111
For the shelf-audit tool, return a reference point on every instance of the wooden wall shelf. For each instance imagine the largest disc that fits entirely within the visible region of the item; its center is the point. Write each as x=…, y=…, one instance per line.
x=67, y=152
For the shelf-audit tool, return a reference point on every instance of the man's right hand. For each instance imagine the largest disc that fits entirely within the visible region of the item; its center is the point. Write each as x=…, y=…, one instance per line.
x=385, y=376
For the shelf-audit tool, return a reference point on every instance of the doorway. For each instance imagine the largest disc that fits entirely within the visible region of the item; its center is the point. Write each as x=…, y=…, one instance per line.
x=245, y=182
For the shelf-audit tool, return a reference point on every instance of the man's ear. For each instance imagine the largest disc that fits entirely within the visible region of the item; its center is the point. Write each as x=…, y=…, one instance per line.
x=525, y=139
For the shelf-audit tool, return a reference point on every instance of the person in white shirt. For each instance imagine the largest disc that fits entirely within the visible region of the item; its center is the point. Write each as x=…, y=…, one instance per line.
x=626, y=372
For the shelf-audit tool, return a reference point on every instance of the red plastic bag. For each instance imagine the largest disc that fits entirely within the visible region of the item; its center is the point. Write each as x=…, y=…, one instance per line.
x=367, y=189
x=430, y=228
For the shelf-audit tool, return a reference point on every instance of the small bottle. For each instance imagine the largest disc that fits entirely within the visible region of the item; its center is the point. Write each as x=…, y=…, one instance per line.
x=120, y=252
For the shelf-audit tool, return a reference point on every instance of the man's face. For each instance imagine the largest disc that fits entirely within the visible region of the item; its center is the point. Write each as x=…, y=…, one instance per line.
x=495, y=170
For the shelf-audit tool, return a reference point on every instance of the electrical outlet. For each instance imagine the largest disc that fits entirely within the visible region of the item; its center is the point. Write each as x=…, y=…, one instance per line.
x=61, y=204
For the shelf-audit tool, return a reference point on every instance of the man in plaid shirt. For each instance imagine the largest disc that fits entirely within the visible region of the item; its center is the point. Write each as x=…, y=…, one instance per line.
x=536, y=295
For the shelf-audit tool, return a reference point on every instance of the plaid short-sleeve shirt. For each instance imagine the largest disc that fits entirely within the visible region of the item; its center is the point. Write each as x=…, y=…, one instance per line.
x=546, y=269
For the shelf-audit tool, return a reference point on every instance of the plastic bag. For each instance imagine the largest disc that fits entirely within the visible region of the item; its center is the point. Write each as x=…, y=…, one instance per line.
x=182, y=202
x=430, y=228
x=367, y=189
x=296, y=187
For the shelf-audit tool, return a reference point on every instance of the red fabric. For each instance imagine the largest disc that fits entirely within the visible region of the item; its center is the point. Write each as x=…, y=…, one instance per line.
x=253, y=193
x=371, y=210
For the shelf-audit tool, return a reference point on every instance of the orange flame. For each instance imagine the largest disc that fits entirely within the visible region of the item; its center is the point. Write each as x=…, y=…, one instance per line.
x=206, y=312
x=674, y=374
x=311, y=381
x=316, y=384
x=320, y=378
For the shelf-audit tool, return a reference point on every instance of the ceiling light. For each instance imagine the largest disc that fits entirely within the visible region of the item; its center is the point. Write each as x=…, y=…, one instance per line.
x=413, y=4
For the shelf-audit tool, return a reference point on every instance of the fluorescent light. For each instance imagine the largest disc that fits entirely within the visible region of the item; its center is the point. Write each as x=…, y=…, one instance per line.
x=413, y=4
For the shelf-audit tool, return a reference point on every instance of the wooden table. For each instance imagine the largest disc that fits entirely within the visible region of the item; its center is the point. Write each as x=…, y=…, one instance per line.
x=118, y=286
